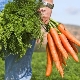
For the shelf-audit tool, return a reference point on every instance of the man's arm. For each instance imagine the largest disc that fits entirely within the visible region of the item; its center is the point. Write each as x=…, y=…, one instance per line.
x=46, y=10
x=49, y=1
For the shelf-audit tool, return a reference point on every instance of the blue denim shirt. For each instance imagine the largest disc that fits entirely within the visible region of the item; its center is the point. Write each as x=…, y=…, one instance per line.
x=20, y=70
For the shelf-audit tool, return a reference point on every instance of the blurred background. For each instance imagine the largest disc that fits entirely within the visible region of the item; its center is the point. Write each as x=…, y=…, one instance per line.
x=67, y=11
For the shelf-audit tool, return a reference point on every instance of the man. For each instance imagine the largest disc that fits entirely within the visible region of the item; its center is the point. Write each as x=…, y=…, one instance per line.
x=21, y=70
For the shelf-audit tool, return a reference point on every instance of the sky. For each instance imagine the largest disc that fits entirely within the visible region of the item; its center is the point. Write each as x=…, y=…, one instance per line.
x=66, y=11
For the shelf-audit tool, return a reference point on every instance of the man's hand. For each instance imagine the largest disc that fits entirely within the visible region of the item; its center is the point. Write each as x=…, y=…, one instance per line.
x=45, y=14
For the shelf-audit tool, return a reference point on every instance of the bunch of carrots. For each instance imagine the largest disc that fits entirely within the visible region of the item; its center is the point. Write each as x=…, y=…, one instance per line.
x=60, y=45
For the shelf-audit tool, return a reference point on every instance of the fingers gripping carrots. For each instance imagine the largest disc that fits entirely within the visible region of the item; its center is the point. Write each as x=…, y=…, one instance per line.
x=61, y=44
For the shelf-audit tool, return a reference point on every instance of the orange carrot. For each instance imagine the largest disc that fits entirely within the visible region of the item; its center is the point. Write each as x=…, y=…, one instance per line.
x=49, y=61
x=63, y=27
x=62, y=61
x=54, y=54
x=73, y=46
x=68, y=47
x=68, y=34
x=57, y=40
x=60, y=57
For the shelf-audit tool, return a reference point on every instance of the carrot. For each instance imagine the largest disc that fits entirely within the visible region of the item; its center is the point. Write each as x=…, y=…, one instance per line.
x=73, y=46
x=57, y=40
x=62, y=61
x=49, y=61
x=68, y=47
x=68, y=34
x=63, y=27
x=54, y=54
x=60, y=57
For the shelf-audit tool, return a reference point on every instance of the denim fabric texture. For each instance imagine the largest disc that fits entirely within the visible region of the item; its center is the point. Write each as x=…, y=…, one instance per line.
x=21, y=69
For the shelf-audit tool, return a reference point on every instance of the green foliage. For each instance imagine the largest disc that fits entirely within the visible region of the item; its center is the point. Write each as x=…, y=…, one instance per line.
x=71, y=71
x=1, y=69
x=19, y=23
